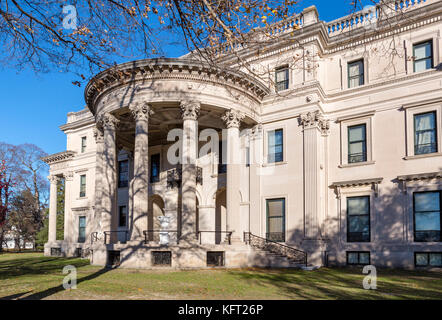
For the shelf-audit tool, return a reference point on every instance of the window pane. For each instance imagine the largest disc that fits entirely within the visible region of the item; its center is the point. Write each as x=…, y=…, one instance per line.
x=356, y=133
x=421, y=259
x=435, y=259
x=427, y=201
x=424, y=121
x=358, y=224
x=281, y=75
x=358, y=205
x=364, y=258
x=82, y=221
x=428, y=221
x=275, y=208
x=355, y=68
x=422, y=51
x=352, y=258
x=356, y=148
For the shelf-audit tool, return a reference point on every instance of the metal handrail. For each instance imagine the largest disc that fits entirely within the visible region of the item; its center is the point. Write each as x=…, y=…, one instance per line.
x=146, y=232
x=276, y=247
x=113, y=231
x=229, y=234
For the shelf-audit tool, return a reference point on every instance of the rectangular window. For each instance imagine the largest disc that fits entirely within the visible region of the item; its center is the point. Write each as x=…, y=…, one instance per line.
x=427, y=222
x=282, y=79
x=428, y=259
x=356, y=74
x=357, y=143
x=358, y=219
x=155, y=168
x=122, y=217
x=425, y=133
x=222, y=167
x=82, y=229
x=161, y=258
x=113, y=258
x=423, y=56
x=275, y=146
x=276, y=220
x=83, y=144
x=358, y=257
x=215, y=258
x=123, y=174
x=83, y=186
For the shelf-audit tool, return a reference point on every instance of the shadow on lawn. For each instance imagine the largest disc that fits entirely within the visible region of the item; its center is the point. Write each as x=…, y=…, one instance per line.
x=345, y=283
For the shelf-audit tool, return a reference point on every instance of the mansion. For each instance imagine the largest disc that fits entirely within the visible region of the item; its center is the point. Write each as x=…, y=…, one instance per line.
x=326, y=151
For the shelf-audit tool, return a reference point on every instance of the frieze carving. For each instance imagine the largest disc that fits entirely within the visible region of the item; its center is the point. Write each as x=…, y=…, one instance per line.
x=98, y=134
x=190, y=110
x=315, y=120
x=141, y=111
x=232, y=118
x=109, y=121
x=68, y=176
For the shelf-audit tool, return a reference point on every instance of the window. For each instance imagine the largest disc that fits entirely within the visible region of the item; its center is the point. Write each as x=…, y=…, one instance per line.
x=82, y=229
x=215, y=258
x=161, y=258
x=282, y=79
x=423, y=56
x=427, y=222
x=83, y=186
x=356, y=74
x=83, y=144
x=113, y=258
x=357, y=144
x=123, y=174
x=122, y=217
x=425, y=134
x=276, y=220
x=275, y=146
x=222, y=167
x=358, y=219
x=428, y=259
x=155, y=168
x=56, y=252
x=358, y=257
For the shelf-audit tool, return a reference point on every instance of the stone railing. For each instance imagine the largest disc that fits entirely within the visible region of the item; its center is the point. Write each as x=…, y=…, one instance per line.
x=368, y=17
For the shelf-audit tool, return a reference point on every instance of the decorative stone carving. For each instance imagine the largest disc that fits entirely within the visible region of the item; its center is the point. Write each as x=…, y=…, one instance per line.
x=109, y=121
x=232, y=118
x=68, y=176
x=98, y=134
x=313, y=120
x=190, y=110
x=141, y=111
x=53, y=178
x=174, y=177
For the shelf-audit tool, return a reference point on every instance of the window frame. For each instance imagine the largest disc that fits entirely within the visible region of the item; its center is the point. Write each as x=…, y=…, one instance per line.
x=360, y=76
x=286, y=82
x=81, y=240
x=283, y=216
x=282, y=146
x=428, y=253
x=83, y=186
x=83, y=144
x=157, y=177
x=119, y=216
x=368, y=214
x=414, y=215
x=359, y=258
x=364, y=125
x=434, y=112
x=120, y=184
x=420, y=43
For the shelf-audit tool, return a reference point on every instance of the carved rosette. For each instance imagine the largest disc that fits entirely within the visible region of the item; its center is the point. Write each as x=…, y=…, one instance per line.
x=190, y=110
x=109, y=121
x=141, y=111
x=315, y=120
x=98, y=134
x=232, y=118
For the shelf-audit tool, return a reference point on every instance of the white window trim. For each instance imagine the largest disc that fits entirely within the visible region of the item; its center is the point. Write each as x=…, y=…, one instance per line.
x=267, y=129
x=348, y=122
x=410, y=111
x=289, y=72
x=264, y=214
x=82, y=173
x=415, y=39
x=345, y=62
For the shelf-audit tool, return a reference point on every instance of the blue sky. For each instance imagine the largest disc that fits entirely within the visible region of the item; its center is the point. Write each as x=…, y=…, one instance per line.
x=34, y=106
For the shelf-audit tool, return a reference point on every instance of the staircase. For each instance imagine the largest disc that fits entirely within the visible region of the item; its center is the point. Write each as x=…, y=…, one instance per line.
x=270, y=253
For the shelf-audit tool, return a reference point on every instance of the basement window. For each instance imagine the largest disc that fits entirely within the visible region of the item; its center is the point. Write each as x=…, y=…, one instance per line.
x=113, y=258
x=161, y=258
x=56, y=252
x=215, y=258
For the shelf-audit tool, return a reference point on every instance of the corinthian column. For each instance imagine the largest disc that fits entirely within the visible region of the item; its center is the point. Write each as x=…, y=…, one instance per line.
x=314, y=127
x=52, y=233
x=189, y=111
x=139, y=184
x=99, y=142
x=232, y=119
x=109, y=178
x=68, y=177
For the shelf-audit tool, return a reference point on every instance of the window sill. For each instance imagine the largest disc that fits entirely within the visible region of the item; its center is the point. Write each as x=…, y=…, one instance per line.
x=420, y=156
x=82, y=198
x=215, y=175
x=271, y=164
x=357, y=164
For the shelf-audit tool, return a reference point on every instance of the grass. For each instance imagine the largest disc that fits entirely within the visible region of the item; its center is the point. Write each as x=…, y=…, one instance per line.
x=33, y=276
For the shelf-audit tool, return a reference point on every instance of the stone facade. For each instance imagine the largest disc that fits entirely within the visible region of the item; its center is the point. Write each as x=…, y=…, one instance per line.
x=287, y=146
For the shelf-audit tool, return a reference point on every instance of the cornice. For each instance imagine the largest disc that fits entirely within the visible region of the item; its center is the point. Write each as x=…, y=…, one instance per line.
x=420, y=176
x=59, y=157
x=166, y=69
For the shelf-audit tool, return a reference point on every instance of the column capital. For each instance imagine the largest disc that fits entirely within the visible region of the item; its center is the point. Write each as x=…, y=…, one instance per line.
x=109, y=121
x=315, y=120
x=141, y=111
x=53, y=178
x=98, y=134
x=232, y=118
x=190, y=110
x=68, y=176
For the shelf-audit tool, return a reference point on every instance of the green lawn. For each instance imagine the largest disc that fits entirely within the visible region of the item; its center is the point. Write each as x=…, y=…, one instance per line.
x=33, y=276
